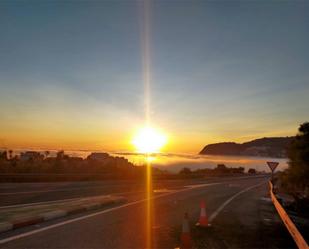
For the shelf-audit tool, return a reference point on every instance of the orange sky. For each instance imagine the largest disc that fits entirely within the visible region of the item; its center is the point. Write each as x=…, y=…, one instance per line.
x=94, y=138
x=204, y=72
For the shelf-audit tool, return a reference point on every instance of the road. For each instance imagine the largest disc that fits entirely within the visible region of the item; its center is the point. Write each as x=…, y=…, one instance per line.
x=241, y=218
x=25, y=193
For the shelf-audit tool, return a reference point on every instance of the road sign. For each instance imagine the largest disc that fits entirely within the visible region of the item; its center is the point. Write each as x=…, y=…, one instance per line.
x=272, y=165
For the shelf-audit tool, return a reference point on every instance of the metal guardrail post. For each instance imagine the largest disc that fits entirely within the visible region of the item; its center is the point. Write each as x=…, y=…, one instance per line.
x=298, y=238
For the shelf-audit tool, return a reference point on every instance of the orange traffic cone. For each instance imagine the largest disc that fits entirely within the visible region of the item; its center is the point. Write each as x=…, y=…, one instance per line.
x=203, y=220
x=186, y=242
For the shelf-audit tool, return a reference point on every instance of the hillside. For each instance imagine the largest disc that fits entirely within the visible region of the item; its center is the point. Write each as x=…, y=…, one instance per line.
x=264, y=147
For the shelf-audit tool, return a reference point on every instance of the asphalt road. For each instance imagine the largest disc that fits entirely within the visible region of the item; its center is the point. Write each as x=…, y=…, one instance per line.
x=24, y=193
x=243, y=220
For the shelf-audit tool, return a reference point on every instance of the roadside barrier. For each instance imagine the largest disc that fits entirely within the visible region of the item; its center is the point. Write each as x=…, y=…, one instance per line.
x=186, y=241
x=298, y=238
x=203, y=220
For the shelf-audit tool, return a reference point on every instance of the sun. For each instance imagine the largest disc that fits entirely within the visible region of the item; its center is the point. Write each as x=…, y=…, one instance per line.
x=149, y=140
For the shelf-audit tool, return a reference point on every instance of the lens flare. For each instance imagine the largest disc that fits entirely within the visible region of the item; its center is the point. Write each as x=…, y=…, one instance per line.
x=149, y=140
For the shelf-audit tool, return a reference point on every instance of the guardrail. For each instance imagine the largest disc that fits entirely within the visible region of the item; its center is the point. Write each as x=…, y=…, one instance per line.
x=298, y=238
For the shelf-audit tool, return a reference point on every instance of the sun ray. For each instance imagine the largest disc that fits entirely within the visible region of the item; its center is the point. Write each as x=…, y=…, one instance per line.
x=148, y=140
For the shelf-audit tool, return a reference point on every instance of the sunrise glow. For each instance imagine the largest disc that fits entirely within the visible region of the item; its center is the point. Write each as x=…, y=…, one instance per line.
x=149, y=140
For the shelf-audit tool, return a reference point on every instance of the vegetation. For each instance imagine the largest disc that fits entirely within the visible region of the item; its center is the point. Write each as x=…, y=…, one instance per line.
x=296, y=177
x=252, y=171
x=220, y=170
x=34, y=166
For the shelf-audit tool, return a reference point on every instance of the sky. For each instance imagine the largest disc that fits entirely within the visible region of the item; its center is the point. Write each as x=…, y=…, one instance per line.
x=72, y=72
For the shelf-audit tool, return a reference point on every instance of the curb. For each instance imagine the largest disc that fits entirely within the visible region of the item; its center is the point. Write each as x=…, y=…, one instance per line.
x=55, y=214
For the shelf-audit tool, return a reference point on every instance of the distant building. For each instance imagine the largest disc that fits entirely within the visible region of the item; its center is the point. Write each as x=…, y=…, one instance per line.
x=98, y=156
x=31, y=156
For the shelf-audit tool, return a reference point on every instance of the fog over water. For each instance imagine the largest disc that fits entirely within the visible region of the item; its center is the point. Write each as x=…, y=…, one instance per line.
x=173, y=162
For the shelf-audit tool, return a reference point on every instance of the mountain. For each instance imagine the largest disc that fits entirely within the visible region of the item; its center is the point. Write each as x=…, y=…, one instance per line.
x=264, y=147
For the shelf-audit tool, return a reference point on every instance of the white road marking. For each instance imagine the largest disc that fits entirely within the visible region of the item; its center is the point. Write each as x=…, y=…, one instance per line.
x=98, y=187
x=224, y=204
x=70, y=199
x=26, y=234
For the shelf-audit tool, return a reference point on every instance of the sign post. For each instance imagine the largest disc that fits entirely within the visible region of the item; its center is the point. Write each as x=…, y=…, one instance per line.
x=272, y=166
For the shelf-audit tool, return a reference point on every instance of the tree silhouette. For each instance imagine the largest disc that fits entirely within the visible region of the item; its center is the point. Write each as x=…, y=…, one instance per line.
x=60, y=155
x=297, y=174
x=185, y=171
x=46, y=153
x=252, y=171
x=4, y=155
x=10, y=154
